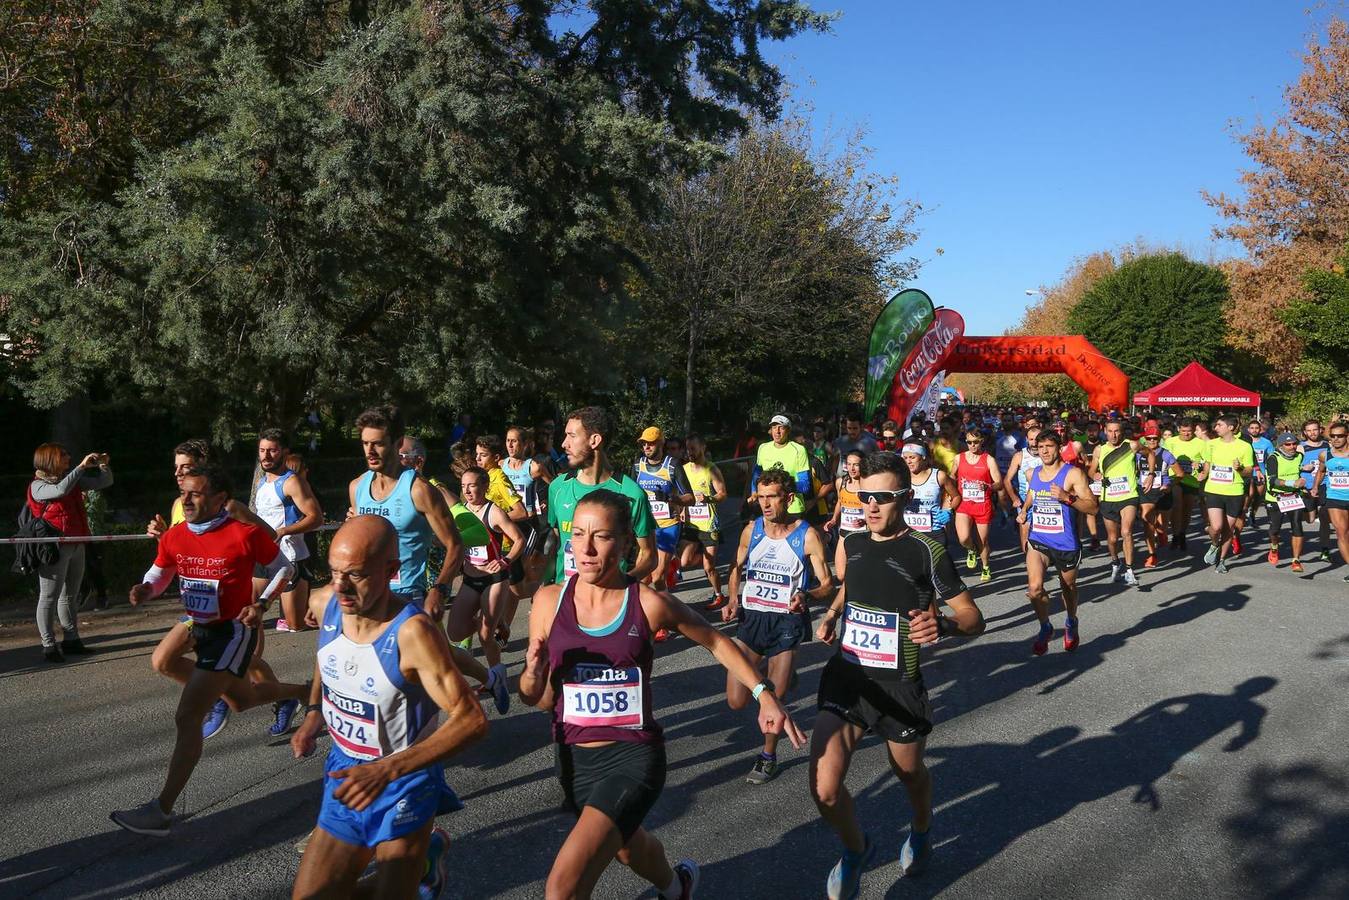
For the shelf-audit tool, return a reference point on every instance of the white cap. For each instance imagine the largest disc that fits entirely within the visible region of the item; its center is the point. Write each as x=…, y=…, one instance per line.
x=780, y=420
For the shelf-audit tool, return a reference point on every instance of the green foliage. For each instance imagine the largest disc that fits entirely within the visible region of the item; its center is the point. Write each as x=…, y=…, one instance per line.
x=1156, y=314
x=302, y=206
x=1320, y=318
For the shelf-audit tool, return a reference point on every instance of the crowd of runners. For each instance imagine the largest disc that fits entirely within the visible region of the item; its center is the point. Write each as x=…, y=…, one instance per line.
x=851, y=539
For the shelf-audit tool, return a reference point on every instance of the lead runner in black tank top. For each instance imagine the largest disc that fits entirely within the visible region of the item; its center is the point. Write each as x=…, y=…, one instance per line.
x=894, y=582
x=589, y=666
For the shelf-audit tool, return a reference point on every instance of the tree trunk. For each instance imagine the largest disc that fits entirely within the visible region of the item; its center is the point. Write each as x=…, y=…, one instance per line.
x=688, y=377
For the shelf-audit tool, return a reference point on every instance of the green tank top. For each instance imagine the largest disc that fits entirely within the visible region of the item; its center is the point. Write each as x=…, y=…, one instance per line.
x=1119, y=473
x=1289, y=471
x=471, y=528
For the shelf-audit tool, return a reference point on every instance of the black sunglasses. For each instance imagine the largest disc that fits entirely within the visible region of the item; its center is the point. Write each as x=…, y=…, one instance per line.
x=880, y=498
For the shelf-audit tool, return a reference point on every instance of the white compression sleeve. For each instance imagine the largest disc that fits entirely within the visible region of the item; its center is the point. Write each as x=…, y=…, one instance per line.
x=158, y=579
x=282, y=571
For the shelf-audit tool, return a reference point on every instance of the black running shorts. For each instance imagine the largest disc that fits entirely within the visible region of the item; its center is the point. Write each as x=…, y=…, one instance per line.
x=224, y=646
x=623, y=780
x=897, y=711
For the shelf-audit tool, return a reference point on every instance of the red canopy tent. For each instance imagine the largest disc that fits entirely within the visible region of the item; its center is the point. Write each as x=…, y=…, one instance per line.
x=1196, y=386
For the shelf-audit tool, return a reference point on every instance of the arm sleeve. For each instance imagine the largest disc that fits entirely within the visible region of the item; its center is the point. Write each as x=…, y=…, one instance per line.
x=158, y=578
x=45, y=491
x=281, y=572
x=803, y=472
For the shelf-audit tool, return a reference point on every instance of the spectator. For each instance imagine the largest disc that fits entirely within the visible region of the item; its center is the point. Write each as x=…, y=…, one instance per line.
x=57, y=496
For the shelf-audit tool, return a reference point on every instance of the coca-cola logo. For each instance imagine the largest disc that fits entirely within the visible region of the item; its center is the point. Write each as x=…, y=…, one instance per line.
x=931, y=350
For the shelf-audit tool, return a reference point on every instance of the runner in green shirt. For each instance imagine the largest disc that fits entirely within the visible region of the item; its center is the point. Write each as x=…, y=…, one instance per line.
x=1228, y=462
x=787, y=455
x=1188, y=449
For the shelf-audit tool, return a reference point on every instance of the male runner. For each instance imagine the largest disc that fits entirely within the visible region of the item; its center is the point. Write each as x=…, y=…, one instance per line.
x=781, y=453
x=1335, y=486
x=213, y=556
x=1057, y=494
x=780, y=568
x=852, y=438
x=1116, y=465
x=1227, y=464
x=1188, y=449
x=530, y=474
x=384, y=673
x=1007, y=443
x=893, y=583
x=285, y=502
x=1262, y=447
x=1314, y=448
x=487, y=453
x=662, y=478
x=1016, y=479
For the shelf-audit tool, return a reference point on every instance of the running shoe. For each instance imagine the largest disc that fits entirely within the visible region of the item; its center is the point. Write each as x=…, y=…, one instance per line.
x=1236, y=544
x=1116, y=571
x=1297, y=565
x=1273, y=557
x=845, y=879
x=717, y=602
x=503, y=633
x=147, y=818
x=1346, y=579
x=282, y=625
x=1221, y=567
x=1211, y=555
x=1325, y=556
x=1070, y=638
x=687, y=870
x=971, y=560
x=432, y=884
x=912, y=862
x=465, y=644
x=498, y=684
x=1130, y=578
x=764, y=771
x=215, y=720
x=1151, y=561
x=1041, y=645
x=986, y=574
x=661, y=636
x=285, y=715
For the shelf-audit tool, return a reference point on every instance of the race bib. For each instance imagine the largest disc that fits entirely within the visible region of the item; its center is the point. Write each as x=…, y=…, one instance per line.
x=1096, y=489
x=478, y=555
x=353, y=724
x=201, y=598
x=1291, y=503
x=973, y=491
x=1338, y=480
x=568, y=560
x=918, y=521
x=1046, y=517
x=1118, y=489
x=852, y=519
x=871, y=637
x=700, y=512
x=599, y=697
x=767, y=592
x=1222, y=475
x=660, y=509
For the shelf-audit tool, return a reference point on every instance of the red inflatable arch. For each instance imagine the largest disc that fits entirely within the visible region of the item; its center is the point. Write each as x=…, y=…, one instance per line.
x=1072, y=355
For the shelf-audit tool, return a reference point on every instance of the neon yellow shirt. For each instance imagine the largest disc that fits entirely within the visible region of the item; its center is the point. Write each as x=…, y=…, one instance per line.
x=1189, y=454
x=702, y=516
x=792, y=458
x=1119, y=471
x=1222, y=457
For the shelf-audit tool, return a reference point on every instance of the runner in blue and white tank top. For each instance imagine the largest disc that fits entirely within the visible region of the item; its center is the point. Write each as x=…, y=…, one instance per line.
x=1016, y=478
x=286, y=503
x=1058, y=494
x=384, y=674
x=934, y=494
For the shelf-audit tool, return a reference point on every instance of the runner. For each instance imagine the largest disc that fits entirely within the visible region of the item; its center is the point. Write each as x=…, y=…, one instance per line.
x=1227, y=464
x=529, y=475
x=852, y=438
x=1007, y=443
x=703, y=526
x=483, y=594
x=417, y=512
x=662, y=478
x=934, y=498
x=1116, y=465
x=383, y=779
x=780, y=568
x=849, y=516
x=213, y=557
x=978, y=478
x=1017, y=480
x=286, y=503
x=1334, y=487
x=1058, y=494
x=1188, y=449
x=1314, y=449
x=1261, y=446
x=1285, y=495
x=1159, y=469
x=589, y=665
x=894, y=581
x=780, y=453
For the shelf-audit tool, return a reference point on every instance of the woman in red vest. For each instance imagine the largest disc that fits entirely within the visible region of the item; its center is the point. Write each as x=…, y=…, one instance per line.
x=57, y=495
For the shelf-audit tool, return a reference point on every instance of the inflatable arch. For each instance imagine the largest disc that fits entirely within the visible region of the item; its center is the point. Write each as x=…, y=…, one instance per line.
x=1072, y=355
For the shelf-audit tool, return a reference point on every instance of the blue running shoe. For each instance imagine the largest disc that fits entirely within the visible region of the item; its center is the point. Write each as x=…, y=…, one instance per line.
x=215, y=720
x=913, y=860
x=501, y=690
x=432, y=884
x=845, y=879
x=285, y=715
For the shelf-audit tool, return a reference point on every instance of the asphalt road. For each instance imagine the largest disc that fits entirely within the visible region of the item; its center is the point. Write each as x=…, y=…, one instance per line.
x=1193, y=746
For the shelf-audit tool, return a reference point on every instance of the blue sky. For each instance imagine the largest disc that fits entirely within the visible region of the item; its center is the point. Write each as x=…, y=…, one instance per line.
x=1035, y=133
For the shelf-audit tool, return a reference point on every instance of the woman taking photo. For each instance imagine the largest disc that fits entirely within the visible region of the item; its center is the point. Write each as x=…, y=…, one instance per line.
x=57, y=496
x=589, y=665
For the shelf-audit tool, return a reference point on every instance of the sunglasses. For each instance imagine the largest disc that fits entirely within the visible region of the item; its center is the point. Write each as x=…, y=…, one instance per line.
x=880, y=498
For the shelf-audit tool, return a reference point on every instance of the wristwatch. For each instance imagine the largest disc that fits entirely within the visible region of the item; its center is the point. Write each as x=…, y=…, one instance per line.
x=312, y=707
x=765, y=685
x=942, y=628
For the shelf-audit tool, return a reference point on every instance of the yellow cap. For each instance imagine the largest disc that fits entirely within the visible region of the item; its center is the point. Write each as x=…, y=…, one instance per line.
x=652, y=435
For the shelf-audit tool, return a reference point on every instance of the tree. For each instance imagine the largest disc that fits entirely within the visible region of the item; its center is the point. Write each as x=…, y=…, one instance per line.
x=1294, y=214
x=1320, y=321
x=769, y=270
x=1155, y=314
x=334, y=203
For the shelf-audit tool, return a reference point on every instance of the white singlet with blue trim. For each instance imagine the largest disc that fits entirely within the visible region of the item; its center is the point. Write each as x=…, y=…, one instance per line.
x=276, y=509
x=775, y=569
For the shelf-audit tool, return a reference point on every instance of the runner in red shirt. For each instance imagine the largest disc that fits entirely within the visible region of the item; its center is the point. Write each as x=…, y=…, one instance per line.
x=978, y=479
x=213, y=556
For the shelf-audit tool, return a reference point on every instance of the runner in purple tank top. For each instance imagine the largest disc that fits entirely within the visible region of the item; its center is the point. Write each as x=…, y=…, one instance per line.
x=589, y=666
